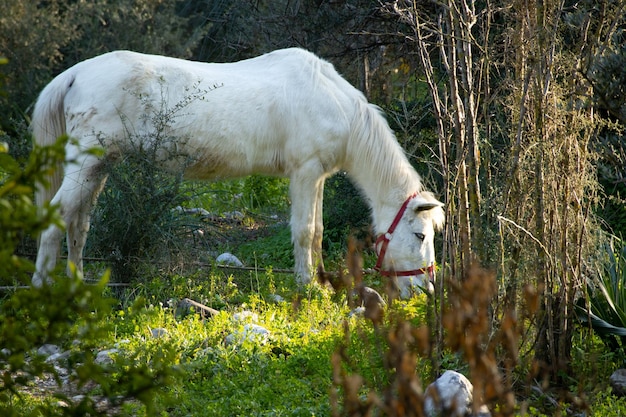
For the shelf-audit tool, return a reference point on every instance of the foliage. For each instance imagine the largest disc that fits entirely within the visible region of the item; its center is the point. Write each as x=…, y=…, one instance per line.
x=344, y=207
x=609, y=404
x=136, y=216
x=611, y=176
x=524, y=89
x=273, y=250
x=73, y=316
x=606, y=73
x=406, y=346
x=32, y=38
x=42, y=38
x=262, y=192
x=18, y=214
x=256, y=195
x=605, y=309
x=289, y=375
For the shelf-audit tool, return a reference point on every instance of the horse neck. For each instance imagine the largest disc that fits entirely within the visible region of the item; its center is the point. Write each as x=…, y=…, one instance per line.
x=379, y=167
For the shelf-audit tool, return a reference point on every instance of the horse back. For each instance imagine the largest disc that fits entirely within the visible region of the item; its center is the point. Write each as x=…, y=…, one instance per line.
x=270, y=114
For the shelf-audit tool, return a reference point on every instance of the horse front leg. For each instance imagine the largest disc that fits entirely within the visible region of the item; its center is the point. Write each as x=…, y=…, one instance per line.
x=79, y=189
x=306, y=218
x=318, y=235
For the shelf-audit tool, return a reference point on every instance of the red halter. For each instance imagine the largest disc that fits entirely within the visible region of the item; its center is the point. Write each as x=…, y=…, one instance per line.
x=386, y=237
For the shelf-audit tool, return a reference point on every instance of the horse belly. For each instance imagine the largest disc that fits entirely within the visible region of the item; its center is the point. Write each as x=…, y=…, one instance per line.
x=238, y=159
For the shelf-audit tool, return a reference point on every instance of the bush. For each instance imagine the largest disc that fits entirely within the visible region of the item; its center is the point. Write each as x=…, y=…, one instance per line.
x=135, y=220
x=18, y=214
x=605, y=309
x=67, y=313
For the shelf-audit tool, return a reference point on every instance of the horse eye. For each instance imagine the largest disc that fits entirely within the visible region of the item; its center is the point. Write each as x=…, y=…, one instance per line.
x=420, y=236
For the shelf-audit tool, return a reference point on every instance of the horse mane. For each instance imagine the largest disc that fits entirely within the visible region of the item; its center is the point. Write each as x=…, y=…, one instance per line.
x=378, y=162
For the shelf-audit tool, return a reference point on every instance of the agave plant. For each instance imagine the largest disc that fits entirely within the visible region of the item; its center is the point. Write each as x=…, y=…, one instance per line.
x=605, y=310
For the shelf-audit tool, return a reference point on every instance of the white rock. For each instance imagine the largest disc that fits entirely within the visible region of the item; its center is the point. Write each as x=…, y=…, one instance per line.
x=276, y=298
x=228, y=259
x=48, y=349
x=58, y=357
x=192, y=210
x=234, y=215
x=618, y=382
x=369, y=295
x=357, y=312
x=251, y=333
x=121, y=342
x=246, y=316
x=104, y=357
x=451, y=395
x=158, y=332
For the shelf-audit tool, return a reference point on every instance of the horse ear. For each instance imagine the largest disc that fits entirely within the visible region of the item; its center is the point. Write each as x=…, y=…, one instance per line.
x=426, y=201
x=428, y=206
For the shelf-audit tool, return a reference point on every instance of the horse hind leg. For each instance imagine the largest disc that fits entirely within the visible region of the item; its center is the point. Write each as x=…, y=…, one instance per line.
x=78, y=228
x=74, y=198
x=47, y=254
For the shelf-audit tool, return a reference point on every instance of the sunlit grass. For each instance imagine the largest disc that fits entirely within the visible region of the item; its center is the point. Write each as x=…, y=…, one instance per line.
x=289, y=374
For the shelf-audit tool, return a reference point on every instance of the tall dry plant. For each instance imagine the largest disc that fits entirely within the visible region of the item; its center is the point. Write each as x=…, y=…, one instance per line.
x=454, y=79
x=491, y=356
x=515, y=122
x=546, y=218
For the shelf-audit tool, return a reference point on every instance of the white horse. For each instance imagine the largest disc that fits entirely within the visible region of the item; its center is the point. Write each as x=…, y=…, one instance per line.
x=286, y=113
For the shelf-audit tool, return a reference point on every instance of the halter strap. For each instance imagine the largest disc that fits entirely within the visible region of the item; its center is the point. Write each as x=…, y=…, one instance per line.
x=384, y=240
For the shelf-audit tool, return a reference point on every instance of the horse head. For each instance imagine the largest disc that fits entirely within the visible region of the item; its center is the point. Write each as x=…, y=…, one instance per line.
x=407, y=250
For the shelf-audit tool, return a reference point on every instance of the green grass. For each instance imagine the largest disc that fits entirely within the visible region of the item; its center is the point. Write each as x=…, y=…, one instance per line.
x=289, y=375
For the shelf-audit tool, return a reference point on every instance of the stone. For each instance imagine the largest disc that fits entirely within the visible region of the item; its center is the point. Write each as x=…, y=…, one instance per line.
x=158, y=332
x=48, y=349
x=373, y=303
x=58, y=357
x=451, y=395
x=193, y=210
x=370, y=295
x=234, y=216
x=228, y=259
x=251, y=332
x=104, y=357
x=357, y=312
x=246, y=316
x=121, y=343
x=618, y=382
x=276, y=298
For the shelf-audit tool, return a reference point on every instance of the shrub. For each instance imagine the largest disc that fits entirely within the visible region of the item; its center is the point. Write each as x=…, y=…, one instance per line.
x=135, y=221
x=67, y=313
x=605, y=309
x=18, y=214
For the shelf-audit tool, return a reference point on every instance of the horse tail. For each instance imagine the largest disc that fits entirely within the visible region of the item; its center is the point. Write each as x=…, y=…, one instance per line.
x=47, y=125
